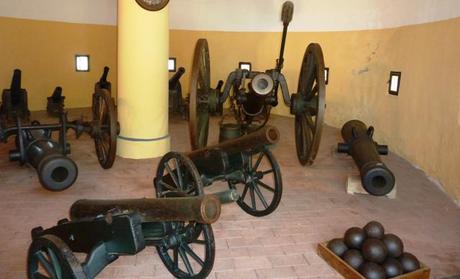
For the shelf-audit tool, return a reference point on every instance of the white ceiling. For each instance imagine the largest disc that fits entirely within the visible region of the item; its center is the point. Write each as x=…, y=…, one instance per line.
x=249, y=15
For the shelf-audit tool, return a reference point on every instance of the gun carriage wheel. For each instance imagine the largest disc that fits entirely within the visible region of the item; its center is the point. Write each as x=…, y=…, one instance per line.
x=200, y=87
x=260, y=192
x=105, y=128
x=309, y=104
x=189, y=251
x=50, y=257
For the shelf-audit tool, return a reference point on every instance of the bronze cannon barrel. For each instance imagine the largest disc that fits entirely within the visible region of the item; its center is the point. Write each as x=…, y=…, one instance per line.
x=202, y=209
x=227, y=157
x=265, y=136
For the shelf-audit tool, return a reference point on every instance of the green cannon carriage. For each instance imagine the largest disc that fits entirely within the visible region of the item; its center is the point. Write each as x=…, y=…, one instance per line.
x=252, y=94
x=104, y=230
x=246, y=164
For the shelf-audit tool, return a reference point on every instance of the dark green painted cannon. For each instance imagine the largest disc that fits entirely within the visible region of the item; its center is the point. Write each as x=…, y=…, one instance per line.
x=14, y=101
x=246, y=164
x=35, y=144
x=177, y=104
x=104, y=230
x=376, y=178
x=252, y=95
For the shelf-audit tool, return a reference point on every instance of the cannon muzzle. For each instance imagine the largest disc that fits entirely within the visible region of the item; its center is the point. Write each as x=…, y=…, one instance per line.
x=376, y=178
x=203, y=209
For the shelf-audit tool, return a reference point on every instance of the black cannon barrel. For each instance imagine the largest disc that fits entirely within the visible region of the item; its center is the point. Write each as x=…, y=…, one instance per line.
x=105, y=73
x=174, y=80
x=57, y=94
x=376, y=178
x=56, y=172
x=265, y=136
x=227, y=156
x=15, y=88
x=202, y=209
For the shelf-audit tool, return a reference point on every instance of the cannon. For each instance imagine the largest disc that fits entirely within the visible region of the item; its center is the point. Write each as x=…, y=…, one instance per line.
x=246, y=164
x=252, y=94
x=376, y=178
x=14, y=100
x=178, y=226
x=55, y=104
x=177, y=104
x=36, y=145
x=103, y=83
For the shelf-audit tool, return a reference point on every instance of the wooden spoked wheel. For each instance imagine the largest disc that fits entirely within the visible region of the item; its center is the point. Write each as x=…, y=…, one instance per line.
x=311, y=95
x=50, y=257
x=260, y=193
x=105, y=128
x=200, y=87
x=189, y=247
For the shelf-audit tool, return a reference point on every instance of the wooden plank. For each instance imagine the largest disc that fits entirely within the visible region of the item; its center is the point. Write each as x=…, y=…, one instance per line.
x=349, y=273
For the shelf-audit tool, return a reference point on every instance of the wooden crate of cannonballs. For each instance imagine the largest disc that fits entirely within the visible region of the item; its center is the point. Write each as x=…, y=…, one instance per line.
x=349, y=273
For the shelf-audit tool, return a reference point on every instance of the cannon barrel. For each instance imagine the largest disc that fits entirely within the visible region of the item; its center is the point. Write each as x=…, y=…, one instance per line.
x=57, y=94
x=105, y=73
x=174, y=80
x=376, y=178
x=203, y=209
x=15, y=87
x=55, y=171
x=265, y=136
x=227, y=156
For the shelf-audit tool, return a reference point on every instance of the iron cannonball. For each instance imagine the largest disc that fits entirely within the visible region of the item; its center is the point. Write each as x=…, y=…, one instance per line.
x=354, y=258
x=374, y=250
x=409, y=262
x=354, y=237
x=372, y=270
x=394, y=245
x=374, y=229
x=392, y=267
x=337, y=246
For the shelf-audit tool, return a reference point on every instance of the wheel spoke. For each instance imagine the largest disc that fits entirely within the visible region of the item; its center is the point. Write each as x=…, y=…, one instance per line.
x=199, y=241
x=175, y=258
x=186, y=261
x=253, y=198
x=259, y=159
x=167, y=186
x=193, y=254
x=55, y=263
x=260, y=195
x=268, y=171
x=250, y=163
x=46, y=264
x=265, y=186
x=245, y=191
x=179, y=174
x=172, y=175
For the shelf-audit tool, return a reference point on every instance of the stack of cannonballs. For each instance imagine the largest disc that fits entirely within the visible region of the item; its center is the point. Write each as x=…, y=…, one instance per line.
x=373, y=253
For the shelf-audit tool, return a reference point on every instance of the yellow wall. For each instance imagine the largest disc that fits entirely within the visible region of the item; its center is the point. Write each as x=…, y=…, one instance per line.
x=45, y=51
x=422, y=124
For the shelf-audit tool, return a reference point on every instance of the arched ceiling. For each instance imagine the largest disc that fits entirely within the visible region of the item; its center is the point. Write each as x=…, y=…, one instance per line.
x=249, y=15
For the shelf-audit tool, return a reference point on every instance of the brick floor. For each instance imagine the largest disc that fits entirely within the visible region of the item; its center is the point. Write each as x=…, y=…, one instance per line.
x=314, y=208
